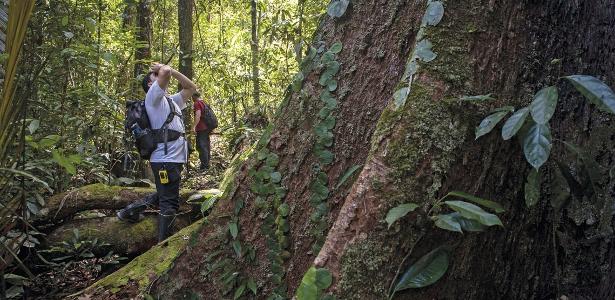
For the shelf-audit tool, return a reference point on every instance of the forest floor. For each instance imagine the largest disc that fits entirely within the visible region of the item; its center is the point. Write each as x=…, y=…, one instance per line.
x=57, y=281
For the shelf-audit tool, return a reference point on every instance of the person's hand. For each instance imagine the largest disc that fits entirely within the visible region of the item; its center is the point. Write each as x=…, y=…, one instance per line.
x=155, y=67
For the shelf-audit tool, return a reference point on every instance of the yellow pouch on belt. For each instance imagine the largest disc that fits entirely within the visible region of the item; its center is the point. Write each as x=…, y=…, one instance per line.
x=164, y=177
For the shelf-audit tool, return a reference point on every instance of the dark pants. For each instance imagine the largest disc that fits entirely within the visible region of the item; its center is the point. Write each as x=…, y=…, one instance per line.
x=168, y=193
x=203, y=145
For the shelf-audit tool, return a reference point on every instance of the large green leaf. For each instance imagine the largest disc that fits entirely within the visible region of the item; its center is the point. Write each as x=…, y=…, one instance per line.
x=336, y=47
x=423, y=51
x=426, y=271
x=595, y=91
x=543, y=106
x=497, y=207
x=489, y=123
x=64, y=162
x=514, y=123
x=400, y=96
x=473, y=212
x=399, y=211
x=537, y=145
x=347, y=175
x=448, y=222
x=233, y=228
x=337, y=8
x=434, y=13
x=468, y=224
x=532, y=188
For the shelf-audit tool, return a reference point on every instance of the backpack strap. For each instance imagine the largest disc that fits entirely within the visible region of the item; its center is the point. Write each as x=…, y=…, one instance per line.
x=165, y=131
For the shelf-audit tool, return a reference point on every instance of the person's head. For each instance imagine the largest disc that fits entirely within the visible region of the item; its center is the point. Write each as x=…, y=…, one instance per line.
x=148, y=80
x=196, y=96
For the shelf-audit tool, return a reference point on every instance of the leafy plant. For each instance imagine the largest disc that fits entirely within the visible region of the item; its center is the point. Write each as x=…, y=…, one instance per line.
x=465, y=217
x=537, y=140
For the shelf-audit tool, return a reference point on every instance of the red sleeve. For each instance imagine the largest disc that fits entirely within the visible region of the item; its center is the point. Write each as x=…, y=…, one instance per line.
x=198, y=105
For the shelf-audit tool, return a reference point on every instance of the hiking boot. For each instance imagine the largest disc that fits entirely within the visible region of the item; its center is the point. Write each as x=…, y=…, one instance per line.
x=165, y=224
x=133, y=213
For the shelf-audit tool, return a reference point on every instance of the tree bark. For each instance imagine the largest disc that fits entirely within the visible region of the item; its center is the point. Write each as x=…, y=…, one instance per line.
x=254, y=47
x=417, y=151
x=144, y=39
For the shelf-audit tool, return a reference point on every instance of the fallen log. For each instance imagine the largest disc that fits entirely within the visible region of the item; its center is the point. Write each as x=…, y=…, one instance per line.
x=123, y=238
x=96, y=196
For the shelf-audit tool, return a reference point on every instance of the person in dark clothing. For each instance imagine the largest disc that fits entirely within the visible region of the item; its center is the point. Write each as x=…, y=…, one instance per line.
x=167, y=161
x=203, y=143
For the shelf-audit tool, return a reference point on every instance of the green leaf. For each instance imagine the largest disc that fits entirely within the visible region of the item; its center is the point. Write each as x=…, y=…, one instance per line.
x=262, y=154
x=497, y=207
x=337, y=8
x=232, y=227
x=34, y=124
x=398, y=212
x=532, y=188
x=208, y=203
x=64, y=21
x=595, y=91
x=237, y=247
x=307, y=289
x=272, y=160
x=543, y=106
x=64, y=162
x=489, y=123
x=239, y=291
x=325, y=156
x=473, y=212
x=468, y=224
x=329, y=122
x=68, y=34
x=49, y=141
x=537, y=145
x=434, y=13
x=275, y=177
x=284, y=209
x=323, y=278
x=347, y=175
x=426, y=271
x=400, y=96
x=297, y=81
x=477, y=98
x=336, y=47
x=447, y=222
x=423, y=51
x=332, y=85
x=514, y=123
x=252, y=286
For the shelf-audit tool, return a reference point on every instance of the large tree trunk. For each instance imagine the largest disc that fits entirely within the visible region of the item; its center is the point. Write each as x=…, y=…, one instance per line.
x=418, y=150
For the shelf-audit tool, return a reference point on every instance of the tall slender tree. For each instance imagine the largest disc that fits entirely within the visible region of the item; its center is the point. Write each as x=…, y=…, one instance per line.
x=254, y=47
x=144, y=37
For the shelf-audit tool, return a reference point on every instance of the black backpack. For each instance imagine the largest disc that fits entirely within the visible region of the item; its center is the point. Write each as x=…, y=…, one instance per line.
x=146, y=138
x=209, y=117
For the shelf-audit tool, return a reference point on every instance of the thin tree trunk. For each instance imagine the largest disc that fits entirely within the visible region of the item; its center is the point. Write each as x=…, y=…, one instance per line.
x=254, y=46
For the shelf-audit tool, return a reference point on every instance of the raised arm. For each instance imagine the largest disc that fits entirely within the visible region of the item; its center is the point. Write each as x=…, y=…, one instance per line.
x=188, y=87
x=164, y=76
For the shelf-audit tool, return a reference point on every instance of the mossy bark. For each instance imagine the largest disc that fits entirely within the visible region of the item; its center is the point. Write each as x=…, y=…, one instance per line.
x=424, y=148
x=95, y=196
x=122, y=238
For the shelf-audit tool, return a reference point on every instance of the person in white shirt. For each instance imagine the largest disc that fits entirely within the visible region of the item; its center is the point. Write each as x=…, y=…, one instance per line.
x=168, y=158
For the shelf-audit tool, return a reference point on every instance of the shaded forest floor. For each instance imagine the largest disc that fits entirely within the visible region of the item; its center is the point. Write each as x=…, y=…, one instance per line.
x=59, y=280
